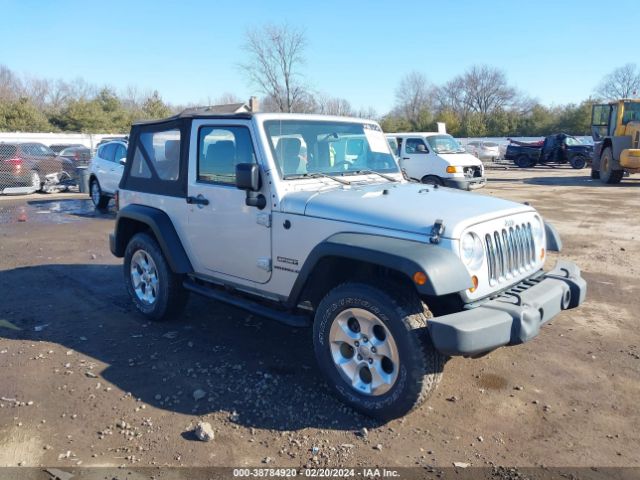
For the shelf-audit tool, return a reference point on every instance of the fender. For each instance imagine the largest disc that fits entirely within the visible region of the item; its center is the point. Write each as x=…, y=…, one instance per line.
x=163, y=229
x=445, y=271
x=554, y=243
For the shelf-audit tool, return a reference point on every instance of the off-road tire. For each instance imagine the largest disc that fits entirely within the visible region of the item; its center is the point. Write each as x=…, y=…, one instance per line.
x=432, y=180
x=171, y=297
x=100, y=201
x=523, y=161
x=405, y=317
x=607, y=174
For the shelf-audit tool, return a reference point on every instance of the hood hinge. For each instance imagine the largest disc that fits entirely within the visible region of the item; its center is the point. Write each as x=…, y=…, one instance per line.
x=437, y=230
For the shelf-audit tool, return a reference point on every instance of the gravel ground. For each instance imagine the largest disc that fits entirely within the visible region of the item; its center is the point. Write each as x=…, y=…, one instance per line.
x=88, y=382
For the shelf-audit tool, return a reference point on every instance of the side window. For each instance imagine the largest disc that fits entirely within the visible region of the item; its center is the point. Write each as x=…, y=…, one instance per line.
x=220, y=149
x=139, y=167
x=121, y=153
x=163, y=150
x=107, y=152
x=416, y=145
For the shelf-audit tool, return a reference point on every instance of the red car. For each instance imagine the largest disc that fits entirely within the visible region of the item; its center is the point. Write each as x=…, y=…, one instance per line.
x=26, y=165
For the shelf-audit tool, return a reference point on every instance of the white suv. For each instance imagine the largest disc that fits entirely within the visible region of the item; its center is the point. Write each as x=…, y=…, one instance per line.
x=105, y=171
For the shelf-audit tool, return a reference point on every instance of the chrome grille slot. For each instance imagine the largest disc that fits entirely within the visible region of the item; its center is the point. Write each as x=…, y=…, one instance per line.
x=510, y=252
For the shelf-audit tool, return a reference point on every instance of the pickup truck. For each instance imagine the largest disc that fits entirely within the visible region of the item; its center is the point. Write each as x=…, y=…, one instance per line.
x=558, y=148
x=309, y=221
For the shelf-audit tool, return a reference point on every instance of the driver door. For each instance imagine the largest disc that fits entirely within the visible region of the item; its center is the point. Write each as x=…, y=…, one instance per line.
x=415, y=160
x=226, y=236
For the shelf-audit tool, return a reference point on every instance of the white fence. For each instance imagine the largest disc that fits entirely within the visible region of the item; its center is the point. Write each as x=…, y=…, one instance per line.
x=89, y=140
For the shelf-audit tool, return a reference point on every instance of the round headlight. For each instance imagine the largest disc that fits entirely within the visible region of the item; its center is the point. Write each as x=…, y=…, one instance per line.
x=537, y=229
x=471, y=251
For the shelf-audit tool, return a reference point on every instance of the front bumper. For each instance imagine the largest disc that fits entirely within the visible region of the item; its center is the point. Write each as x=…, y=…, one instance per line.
x=468, y=183
x=512, y=318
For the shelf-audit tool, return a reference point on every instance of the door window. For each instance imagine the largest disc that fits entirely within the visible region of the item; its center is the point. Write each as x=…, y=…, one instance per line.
x=220, y=149
x=121, y=153
x=416, y=145
x=107, y=151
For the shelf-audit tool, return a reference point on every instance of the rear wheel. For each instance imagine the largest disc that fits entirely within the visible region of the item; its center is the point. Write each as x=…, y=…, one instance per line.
x=99, y=200
x=523, y=161
x=156, y=291
x=607, y=172
x=432, y=180
x=374, y=350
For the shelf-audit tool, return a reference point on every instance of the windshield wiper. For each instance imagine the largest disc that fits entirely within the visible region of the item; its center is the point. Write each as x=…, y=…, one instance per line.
x=318, y=175
x=386, y=177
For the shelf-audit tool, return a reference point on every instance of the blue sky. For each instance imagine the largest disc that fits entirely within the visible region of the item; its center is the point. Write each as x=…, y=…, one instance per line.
x=555, y=51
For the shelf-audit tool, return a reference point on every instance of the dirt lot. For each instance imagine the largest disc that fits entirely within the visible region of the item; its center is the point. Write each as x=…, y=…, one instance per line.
x=85, y=380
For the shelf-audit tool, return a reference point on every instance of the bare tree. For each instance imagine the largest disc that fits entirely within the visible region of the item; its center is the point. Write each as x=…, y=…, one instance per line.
x=276, y=53
x=485, y=90
x=623, y=82
x=414, y=97
x=227, y=98
x=328, y=105
x=10, y=84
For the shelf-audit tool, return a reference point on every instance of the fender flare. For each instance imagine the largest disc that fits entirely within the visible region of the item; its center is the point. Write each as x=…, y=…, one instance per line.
x=163, y=229
x=445, y=271
x=554, y=243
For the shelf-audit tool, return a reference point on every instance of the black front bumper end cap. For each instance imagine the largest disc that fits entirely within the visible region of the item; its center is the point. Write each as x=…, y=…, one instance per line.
x=510, y=319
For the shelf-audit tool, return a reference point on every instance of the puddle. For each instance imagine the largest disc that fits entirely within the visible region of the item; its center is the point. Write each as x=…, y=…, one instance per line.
x=52, y=211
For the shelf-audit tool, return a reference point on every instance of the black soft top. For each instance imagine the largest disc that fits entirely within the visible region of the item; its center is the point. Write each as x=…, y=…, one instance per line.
x=193, y=113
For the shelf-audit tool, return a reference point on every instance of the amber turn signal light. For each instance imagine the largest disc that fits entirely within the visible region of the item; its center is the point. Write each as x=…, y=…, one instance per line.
x=542, y=254
x=474, y=280
x=420, y=278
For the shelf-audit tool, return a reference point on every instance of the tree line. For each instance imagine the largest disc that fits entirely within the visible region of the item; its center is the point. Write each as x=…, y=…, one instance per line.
x=476, y=103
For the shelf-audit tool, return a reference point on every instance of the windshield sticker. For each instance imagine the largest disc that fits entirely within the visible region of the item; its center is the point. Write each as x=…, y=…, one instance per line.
x=377, y=140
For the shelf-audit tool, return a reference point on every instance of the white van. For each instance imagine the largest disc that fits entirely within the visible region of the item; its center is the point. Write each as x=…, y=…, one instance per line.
x=438, y=158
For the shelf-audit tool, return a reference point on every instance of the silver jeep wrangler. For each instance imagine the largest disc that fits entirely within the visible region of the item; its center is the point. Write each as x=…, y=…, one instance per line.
x=308, y=220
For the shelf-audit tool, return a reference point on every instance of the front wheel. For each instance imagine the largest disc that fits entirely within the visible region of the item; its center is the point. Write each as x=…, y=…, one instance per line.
x=374, y=350
x=156, y=291
x=578, y=162
x=607, y=172
x=432, y=180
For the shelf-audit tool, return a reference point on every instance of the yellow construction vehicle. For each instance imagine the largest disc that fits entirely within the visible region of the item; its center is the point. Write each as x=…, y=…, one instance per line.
x=615, y=128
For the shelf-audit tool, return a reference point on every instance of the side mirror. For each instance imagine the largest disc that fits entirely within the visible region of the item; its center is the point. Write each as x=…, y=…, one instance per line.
x=122, y=161
x=248, y=177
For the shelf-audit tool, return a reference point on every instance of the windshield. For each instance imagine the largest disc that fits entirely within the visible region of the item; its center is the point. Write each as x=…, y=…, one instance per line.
x=40, y=150
x=306, y=147
x=445, y=144
x=570, y=141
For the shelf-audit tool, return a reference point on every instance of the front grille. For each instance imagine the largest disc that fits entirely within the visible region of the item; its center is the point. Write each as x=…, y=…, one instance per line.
x=472, y=172
x=510, y=252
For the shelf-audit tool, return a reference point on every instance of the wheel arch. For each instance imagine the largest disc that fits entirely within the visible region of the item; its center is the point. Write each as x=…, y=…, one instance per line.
x=134, y=219
x=365, y=257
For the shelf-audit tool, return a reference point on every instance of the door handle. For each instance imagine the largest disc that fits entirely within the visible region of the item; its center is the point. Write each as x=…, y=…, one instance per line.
x=406, y=158
x=199, y=200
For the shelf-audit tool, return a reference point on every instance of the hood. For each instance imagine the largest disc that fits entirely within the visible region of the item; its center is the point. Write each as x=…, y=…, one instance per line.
x=460, y=159
x=409, y=207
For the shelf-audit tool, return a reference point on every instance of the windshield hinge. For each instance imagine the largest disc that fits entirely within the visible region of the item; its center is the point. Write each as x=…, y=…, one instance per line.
x=437, y=230
x=264, y=219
